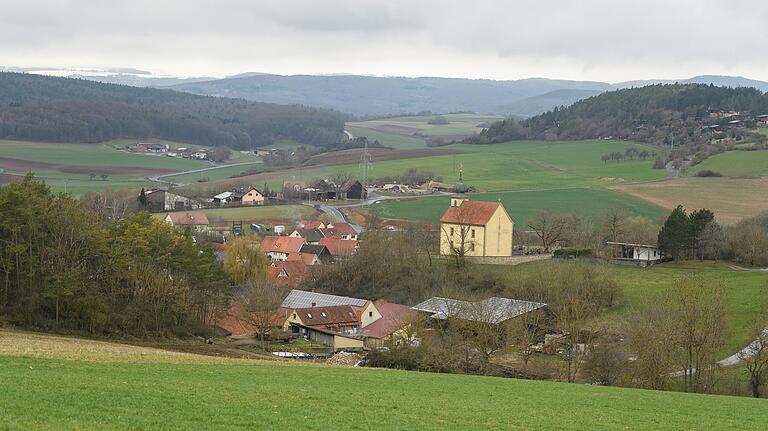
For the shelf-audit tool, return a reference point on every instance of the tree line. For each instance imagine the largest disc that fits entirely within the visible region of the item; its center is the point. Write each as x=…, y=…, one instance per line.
x=95, y=266
x=52, y=109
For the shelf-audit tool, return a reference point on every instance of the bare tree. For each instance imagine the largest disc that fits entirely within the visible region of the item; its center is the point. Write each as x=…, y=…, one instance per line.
x=549, y=228
x=614, y=223
x=524, y=332
x=258, y=304
x=755, y=358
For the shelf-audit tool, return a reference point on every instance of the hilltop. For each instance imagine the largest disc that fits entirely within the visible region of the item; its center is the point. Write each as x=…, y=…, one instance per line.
x=51, y=109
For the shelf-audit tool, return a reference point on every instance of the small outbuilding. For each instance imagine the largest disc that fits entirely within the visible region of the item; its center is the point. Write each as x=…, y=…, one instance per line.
x=643, y=254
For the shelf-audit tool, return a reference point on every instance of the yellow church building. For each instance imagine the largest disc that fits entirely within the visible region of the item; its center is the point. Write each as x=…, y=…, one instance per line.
x=476, y=228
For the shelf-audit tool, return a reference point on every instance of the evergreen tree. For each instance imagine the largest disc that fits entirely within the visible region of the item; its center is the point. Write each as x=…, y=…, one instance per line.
x=143, y=203
x=675, y=236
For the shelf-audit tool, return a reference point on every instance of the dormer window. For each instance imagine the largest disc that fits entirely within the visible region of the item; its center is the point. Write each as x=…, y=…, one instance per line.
x=322, y=313
x=309, y=315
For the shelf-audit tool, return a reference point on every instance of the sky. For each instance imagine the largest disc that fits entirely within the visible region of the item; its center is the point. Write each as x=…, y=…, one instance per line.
x=584, y=40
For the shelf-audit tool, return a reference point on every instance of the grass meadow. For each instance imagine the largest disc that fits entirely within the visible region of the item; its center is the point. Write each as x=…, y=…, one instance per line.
x=523, y=206
x=75, y=386
x=736, y=164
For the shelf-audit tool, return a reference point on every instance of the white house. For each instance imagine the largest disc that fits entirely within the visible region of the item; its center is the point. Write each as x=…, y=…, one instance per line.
x=642, y=253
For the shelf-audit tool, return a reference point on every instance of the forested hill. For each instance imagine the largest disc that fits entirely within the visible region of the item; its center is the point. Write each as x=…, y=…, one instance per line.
x=54, y=109
x=652, y=114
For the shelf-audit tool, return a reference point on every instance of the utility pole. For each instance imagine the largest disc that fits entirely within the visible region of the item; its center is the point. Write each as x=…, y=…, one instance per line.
x=365, y=161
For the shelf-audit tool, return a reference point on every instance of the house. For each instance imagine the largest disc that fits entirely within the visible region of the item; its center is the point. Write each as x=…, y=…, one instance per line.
x=155, y=148
x=289, y=273
x=196, y=221
x=313, y=224
x=343, y=231
x=341, y=319
x=394, y=318
x=642, y=254
x=395, y=188
x=334, y=340
x=308, y=259
x=234, y=323
x=278, y=248
x=320, y=252
x=476, y=228
x=261, y=152
x=352, y=189
x=311, y=236
x=762, y=120
x=252, y=197
x=227, y=198
x=339, y=248
x=494, y=310
x=366, y=310
x=199, y=155
x=159, y=200
x=293, y=189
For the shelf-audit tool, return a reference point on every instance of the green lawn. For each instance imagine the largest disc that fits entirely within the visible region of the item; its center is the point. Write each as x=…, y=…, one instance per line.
x=61, y=394
x=736, y=164
x=523, y=206
x=458, y=125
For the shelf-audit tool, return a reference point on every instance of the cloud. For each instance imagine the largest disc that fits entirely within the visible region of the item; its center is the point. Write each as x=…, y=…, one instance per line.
x=590, y=39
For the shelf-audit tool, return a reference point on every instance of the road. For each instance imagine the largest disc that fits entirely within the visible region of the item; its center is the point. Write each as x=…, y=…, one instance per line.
x=158, y=179
x=349, y=135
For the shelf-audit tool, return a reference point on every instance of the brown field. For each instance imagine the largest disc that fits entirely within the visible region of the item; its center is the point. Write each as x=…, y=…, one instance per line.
x=732, y=199
x=18, y=165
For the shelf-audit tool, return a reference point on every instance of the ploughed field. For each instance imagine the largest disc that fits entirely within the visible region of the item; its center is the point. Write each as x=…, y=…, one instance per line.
x=91, y=385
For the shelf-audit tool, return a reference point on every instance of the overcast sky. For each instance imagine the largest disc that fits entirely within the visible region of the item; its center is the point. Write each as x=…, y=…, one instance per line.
x=590, y=40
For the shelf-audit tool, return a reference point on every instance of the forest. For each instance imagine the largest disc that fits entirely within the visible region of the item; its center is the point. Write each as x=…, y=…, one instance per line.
x=656, y=114
x=51, y=109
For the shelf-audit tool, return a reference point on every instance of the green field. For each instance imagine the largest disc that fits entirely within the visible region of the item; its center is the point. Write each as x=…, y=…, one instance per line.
x=736, y=164
x=387, y=139
x=458, y=125
x=523, y=206
x=59, y=383
x=92, y=155
x=524, y=165
x=220, y=173
x=260, y=213
x=746, y=296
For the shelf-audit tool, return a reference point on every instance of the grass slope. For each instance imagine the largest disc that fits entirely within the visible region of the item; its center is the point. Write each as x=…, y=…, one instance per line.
x=523, y=206
x=736, y=164
x=81, y=384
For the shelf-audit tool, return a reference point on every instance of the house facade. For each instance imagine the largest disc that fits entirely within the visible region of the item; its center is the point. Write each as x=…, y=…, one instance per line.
x=643, y=254
x=160, y=200
x=476, y=228
x=252, y=197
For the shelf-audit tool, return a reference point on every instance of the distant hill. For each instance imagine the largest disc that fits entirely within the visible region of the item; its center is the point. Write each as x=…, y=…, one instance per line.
x=51, y=109
x=717, y=80
x=370, y=95
x=544, y=102
x=653, y=114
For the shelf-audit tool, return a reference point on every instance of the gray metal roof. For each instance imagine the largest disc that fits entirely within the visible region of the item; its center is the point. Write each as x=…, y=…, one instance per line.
x=304, y=299
x=490, y=310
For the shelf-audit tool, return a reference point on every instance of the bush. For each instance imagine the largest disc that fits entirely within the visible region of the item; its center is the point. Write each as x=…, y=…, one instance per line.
x=708, y=173
x=573, y=252
x=438, y=121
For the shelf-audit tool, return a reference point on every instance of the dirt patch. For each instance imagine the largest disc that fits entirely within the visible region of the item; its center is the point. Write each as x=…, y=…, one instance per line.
x=731, y=199
x=18, y=165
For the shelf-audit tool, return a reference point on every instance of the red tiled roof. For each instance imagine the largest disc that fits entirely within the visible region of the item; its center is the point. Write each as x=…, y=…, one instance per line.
x=314, y=224
x=284, y=244
x=470, y=212
x=296, y=271
x=306, y=258
x=187, y=218
x=393, y=317
x=326, y=316
x=340, y=247
x=338, y=230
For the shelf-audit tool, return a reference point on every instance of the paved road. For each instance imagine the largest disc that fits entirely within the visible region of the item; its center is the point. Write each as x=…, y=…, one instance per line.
x=158, y=179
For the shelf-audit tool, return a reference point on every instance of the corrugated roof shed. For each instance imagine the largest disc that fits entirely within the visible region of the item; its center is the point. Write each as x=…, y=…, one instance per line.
x=304, y=299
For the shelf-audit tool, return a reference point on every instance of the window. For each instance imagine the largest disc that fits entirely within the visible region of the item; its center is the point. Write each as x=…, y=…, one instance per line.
x=473, y=234
x=452, y=232
x=471, y=246
x=370, y=314
x=323, y=314
x=309, y=315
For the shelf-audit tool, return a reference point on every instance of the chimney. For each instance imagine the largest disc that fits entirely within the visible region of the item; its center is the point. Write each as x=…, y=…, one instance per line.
x=314, y=304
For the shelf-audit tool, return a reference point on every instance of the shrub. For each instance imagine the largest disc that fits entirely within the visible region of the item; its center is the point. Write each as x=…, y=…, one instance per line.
x=438, y=121
x=708, y=173
x=573, y=252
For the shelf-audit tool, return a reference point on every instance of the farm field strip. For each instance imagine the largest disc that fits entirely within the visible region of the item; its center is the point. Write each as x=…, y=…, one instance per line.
x=736, y=164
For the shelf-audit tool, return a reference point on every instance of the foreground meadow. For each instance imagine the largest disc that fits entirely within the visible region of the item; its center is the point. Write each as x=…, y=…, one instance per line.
x=63, y=390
